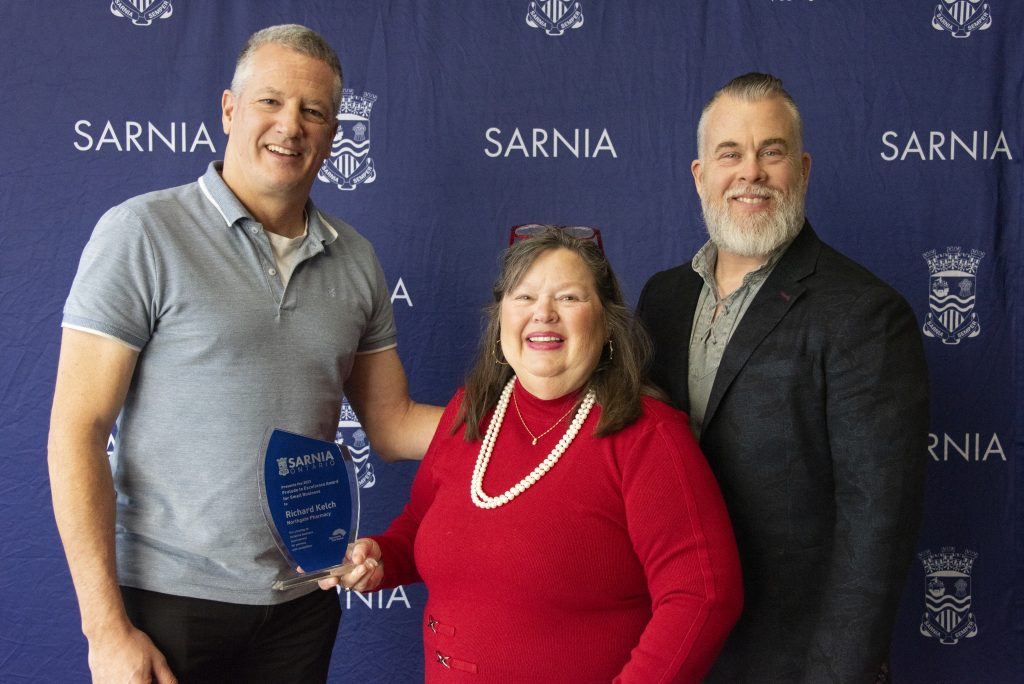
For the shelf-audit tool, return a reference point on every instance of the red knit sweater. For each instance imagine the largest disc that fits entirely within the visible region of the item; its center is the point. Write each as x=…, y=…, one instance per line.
x=618, y=565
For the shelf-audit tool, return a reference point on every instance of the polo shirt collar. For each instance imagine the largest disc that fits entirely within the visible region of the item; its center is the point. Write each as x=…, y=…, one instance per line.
x=232, y=210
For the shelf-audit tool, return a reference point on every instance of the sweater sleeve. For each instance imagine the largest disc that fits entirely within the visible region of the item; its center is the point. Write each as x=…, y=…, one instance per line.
x=397, y=544
x=680, y=530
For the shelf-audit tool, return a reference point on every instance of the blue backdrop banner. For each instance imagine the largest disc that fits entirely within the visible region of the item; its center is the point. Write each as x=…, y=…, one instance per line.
x=464, y=118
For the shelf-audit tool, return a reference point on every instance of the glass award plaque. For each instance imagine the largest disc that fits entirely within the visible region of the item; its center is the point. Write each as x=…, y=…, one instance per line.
x=310, y=498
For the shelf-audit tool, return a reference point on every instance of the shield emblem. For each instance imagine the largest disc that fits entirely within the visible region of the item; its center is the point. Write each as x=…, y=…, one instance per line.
x=554, y=9
x=351, y=145
x=961, y=17
x=350, y=163
x=351, y=434
x=951, y=297
x=960, y=11
x=555, y=16
x=142, y=12
x=948, y=607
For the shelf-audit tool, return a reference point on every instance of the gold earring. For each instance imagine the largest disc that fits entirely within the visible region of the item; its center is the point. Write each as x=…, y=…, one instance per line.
x=494, y=353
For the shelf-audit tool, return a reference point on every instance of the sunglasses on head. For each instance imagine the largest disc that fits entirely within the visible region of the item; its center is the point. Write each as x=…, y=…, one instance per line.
x=528, y=230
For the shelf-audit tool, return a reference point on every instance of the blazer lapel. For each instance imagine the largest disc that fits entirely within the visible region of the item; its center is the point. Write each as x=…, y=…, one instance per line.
x=775, y=298
x=689, y=295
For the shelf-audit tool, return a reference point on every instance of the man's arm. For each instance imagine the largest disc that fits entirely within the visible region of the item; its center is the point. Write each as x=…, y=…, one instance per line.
x=398, y=427
x=93, y=376
x=877, y=397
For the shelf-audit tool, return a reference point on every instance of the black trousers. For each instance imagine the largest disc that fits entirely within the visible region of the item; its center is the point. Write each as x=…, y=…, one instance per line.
x=209, y=641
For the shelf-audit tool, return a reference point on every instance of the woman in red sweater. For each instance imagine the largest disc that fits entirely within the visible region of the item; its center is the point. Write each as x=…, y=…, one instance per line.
x=565, y=523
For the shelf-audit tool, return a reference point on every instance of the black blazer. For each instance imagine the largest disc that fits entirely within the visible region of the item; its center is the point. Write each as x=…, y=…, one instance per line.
x=816, y=429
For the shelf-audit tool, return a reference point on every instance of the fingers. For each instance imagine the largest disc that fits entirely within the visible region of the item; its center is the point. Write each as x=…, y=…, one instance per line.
x=331, y=582
x=363, y=549
x=128, y=656
x=365, y=577
x=162, y=672
x=372, y=577
x=362, y=571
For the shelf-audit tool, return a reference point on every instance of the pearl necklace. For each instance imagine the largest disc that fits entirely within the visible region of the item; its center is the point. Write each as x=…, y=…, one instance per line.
x=476, y=490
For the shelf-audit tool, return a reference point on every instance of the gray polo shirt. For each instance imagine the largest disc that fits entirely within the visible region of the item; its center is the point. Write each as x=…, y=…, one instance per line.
x=187, y=277
x=710, y=333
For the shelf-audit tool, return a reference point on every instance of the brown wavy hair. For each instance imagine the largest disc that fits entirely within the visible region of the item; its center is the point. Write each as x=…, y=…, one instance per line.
x=619, y=379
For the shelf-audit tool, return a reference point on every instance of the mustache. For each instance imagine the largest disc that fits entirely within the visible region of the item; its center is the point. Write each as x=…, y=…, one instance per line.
x=754, y=190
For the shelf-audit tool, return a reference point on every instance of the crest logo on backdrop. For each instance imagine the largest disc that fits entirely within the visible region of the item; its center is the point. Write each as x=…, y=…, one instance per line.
x=962, y=17
x=947, y=595
x=350, y=163
x=951, y=295
x=351, y=434
x=142, y=12
x=554, y=16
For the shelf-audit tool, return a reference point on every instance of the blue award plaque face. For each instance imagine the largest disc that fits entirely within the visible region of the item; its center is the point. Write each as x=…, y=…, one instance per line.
x=311, y=501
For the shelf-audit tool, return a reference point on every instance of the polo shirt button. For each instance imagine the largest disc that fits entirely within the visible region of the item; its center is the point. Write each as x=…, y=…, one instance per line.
x=272, y=271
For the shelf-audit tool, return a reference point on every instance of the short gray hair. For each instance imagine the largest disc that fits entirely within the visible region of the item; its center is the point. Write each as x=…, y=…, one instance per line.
x=295, y=37
x=751, y=88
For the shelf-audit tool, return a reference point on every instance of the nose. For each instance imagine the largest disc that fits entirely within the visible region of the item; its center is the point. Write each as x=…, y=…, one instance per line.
x=544, y=311
x=751, y=170
x=289, y=122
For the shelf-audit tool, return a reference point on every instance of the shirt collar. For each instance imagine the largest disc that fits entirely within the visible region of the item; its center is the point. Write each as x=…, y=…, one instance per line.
x=232, y=210
x=703, y=263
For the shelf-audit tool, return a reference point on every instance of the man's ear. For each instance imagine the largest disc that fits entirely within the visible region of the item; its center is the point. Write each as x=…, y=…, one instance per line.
x=227, y=110
x=698, y=175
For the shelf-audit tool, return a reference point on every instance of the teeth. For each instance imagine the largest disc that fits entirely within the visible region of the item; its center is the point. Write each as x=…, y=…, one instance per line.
x=545, y=339
x=751, y=200
x=281, y=150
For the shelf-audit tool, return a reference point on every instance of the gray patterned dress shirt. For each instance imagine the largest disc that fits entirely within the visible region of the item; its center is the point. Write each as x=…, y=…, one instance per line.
x=711, y=333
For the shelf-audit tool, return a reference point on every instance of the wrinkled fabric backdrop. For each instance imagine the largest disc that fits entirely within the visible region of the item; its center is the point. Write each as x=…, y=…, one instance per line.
x=463, y=118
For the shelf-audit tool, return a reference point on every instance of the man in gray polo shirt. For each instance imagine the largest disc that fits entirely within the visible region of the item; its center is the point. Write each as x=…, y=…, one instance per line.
x=200, y=316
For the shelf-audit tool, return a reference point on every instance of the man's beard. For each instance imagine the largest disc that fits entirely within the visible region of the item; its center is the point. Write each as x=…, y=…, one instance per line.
x=754, y=235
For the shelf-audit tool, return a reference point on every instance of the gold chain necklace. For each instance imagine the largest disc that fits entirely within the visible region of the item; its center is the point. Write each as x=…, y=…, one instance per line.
x=528, y=430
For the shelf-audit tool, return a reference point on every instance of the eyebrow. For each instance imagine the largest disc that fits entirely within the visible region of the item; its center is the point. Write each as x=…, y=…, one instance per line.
x=267, y=90
x=730, y=144
x=271, y=90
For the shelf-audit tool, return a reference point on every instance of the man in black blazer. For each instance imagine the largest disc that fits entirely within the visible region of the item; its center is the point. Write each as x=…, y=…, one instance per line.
x=805, y=380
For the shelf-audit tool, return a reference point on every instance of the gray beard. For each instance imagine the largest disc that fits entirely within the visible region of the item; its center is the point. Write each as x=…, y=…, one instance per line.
x=754, y=236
